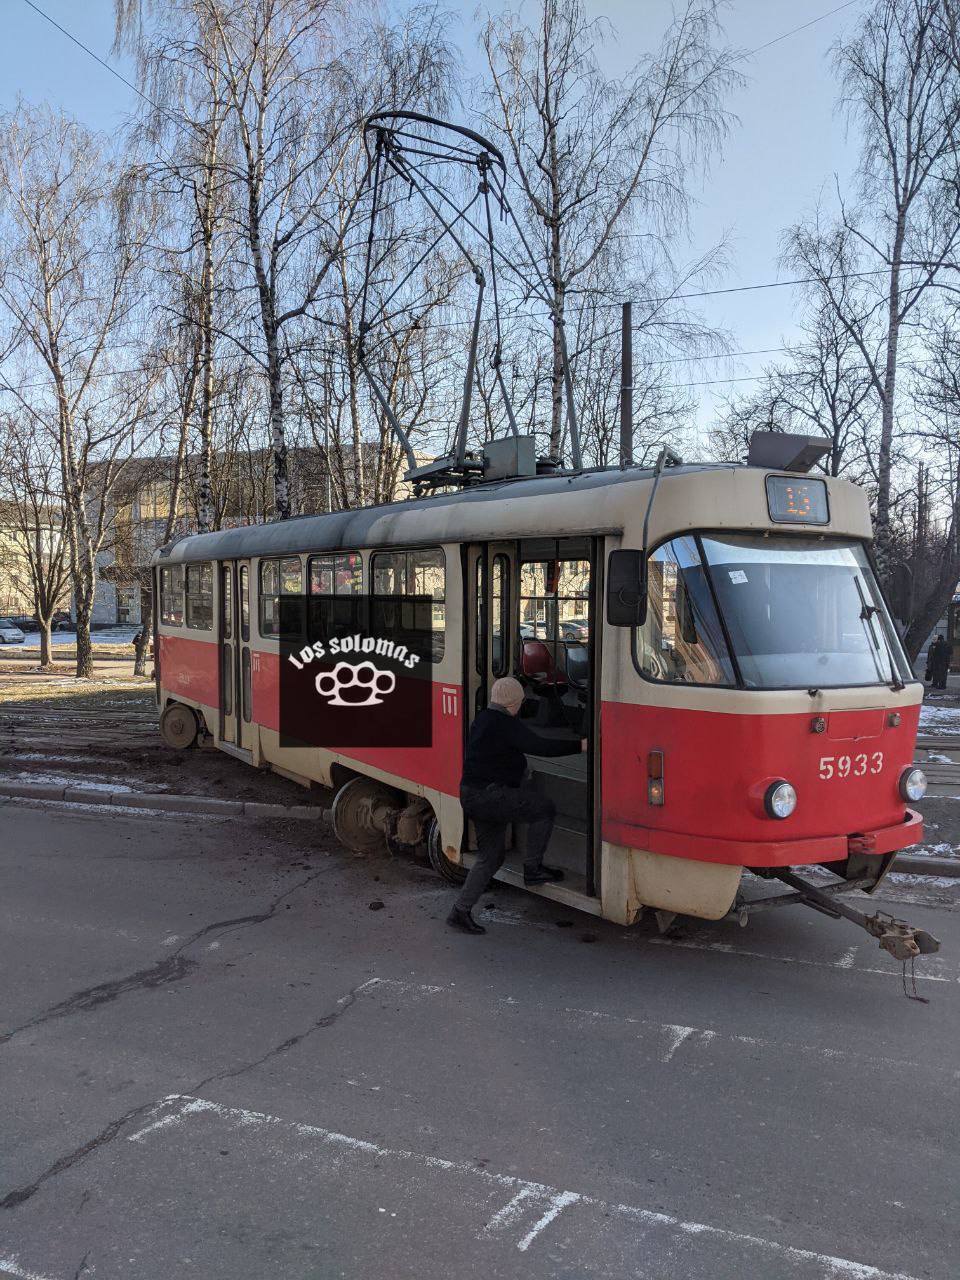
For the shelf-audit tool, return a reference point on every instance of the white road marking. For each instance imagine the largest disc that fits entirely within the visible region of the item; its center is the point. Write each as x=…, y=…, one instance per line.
x=674, y=1037
x=727, y=948
x=557, y=1204
x=11, y=1267
x=402, y=986
x=846, y=961
x=504, y=1218
x=180, y=1108
x=704, y=1036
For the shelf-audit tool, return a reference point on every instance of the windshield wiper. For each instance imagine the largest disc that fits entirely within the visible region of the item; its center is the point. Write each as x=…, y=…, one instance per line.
x=867, y=613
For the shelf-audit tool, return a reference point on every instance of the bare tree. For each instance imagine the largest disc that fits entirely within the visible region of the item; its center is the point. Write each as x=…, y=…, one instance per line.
x=935, y=566
x=885, y=253
x=74, y=226
x=821, y=387
x=31, y=496
x=603, y=164
x=287, y=99
x=184, y=119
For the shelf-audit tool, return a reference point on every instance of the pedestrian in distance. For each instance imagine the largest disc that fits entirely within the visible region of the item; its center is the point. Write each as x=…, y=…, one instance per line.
x=938, y=662
x=495, y=790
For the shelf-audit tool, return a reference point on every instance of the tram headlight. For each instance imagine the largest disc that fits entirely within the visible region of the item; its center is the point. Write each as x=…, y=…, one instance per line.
x=913, y=784
x=780, y=800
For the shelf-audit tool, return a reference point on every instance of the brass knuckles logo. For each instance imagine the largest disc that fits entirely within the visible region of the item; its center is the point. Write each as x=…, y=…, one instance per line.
x=364, y=678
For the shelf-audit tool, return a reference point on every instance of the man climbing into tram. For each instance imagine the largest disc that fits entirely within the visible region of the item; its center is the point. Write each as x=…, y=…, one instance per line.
x=496, y=791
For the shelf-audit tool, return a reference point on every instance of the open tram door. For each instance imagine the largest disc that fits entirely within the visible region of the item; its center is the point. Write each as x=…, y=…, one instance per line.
x=536, y=618
x=236, y=685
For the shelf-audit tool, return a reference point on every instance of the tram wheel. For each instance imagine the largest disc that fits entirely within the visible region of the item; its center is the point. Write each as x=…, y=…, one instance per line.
x=179, y=726
x=454, y=872
x=360, y=813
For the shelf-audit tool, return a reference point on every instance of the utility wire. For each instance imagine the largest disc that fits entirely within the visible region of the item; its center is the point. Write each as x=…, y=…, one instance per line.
x=185, y=124
x=793, y=32
x=179, y=121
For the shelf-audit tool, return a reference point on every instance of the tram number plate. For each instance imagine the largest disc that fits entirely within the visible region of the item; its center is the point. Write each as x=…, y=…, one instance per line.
x=857, y=766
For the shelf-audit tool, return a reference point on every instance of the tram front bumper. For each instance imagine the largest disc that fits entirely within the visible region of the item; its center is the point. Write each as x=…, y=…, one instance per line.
x=770, y=853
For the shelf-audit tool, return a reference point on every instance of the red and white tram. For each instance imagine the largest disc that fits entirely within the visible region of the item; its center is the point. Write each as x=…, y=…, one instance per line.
x=716, y=632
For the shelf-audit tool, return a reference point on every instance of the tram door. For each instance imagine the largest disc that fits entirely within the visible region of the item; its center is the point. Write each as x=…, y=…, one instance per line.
x=534, y=618
x=235, y=659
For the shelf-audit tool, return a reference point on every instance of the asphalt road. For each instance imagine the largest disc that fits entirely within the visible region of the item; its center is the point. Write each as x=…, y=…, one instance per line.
x=217, y=1062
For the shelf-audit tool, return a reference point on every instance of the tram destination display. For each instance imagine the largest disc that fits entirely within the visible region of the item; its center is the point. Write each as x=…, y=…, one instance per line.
x=791, y=500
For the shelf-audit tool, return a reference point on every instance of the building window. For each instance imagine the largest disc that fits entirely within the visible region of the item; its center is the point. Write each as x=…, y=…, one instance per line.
x=171, y=596
x=128, y=605
x=281, y=580
x=200, y=596
x=154, y=500
x=415, y=573
x=337, y=575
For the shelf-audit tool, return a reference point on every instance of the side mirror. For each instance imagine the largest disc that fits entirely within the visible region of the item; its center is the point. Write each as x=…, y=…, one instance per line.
x=626, y=588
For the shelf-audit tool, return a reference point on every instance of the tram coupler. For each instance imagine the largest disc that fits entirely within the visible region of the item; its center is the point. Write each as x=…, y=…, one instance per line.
x=900, y=939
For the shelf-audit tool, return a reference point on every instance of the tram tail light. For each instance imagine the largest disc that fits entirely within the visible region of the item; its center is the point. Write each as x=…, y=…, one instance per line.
x=655, y=777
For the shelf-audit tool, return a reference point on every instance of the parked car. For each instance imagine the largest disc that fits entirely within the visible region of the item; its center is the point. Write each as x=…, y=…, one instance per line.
x=10, y=633
x=575, y=630
x=25, y=621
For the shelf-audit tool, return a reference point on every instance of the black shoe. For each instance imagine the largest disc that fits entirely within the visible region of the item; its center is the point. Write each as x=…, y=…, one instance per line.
x=544, y=875
x=464, y=921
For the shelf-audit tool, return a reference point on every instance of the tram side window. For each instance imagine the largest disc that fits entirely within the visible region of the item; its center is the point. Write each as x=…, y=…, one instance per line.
x=171, y=596
x=281, y=579
x=415, y=573
x=226, y=601
x=244, y=603
x=200, y=596
x=335, y=605
x=336, y=575
x=681, y=640
x=500, y=616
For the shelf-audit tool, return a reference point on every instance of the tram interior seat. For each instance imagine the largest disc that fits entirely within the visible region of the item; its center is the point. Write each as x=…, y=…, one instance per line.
x=557, y=689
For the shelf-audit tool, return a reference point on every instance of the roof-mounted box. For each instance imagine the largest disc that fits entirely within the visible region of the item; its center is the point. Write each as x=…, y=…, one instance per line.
x=782, y=451
x=509, y=457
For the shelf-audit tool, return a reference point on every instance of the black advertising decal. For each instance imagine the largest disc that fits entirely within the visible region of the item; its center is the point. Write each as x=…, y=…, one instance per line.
x=356, y=671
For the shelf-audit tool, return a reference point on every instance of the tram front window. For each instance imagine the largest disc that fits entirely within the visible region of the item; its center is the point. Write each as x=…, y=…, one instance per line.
x=802, y=612
x=681, y=640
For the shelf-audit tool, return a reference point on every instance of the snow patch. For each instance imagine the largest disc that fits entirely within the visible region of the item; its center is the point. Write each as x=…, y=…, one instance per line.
x=937, y=720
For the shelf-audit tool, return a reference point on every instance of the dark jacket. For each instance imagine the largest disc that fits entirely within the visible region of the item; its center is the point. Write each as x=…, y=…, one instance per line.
x=938, y=659
x=497, y=747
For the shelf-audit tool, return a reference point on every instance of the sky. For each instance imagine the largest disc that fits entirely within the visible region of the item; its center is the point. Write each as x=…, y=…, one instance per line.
x=778, y=162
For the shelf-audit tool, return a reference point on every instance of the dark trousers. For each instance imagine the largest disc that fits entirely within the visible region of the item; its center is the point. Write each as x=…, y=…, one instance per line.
x=492, y=809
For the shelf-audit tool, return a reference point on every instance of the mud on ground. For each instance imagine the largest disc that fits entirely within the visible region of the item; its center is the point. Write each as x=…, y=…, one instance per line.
x=103, y=733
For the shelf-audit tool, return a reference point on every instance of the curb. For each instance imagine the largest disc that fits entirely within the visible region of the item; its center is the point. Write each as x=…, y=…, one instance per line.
x=907, y=865
x=163, y=801
x=926, y=866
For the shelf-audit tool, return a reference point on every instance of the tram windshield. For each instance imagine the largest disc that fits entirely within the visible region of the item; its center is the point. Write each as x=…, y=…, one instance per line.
x=768, y=612
x=802, y=612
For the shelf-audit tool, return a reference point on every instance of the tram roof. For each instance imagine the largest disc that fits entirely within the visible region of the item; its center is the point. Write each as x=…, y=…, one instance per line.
x=463, y=515
x=358, y=526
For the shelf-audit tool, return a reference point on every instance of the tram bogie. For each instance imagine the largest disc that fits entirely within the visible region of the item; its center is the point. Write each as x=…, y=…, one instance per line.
x=725, y=649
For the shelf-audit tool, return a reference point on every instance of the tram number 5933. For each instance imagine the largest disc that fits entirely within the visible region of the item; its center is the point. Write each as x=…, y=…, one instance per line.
x=857, y=766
